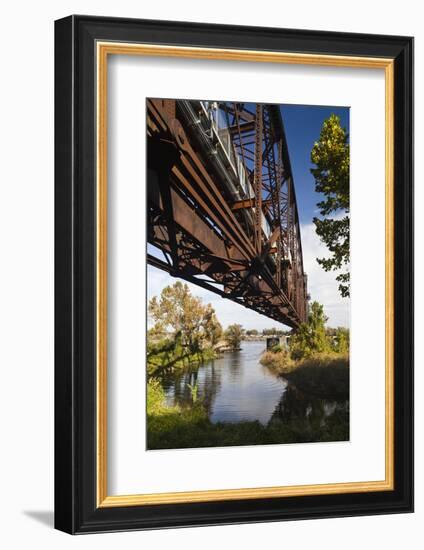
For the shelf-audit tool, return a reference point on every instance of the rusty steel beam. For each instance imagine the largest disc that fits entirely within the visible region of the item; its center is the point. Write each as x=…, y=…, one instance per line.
x=248, y=203
x=242, y=128
x=221, y=204
x=244, y=203
x=258, y=179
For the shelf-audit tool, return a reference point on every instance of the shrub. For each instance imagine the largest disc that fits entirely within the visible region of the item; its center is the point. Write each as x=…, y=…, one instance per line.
x=311, y=337
x=277, y=348
x=233, y=335
x=325, y=375
x=277, y=360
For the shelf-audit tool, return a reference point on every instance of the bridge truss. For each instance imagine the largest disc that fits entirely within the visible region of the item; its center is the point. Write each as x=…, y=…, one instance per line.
x=222, y=209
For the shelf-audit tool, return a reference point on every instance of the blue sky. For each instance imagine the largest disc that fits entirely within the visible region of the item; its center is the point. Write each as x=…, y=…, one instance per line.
x=302, y=126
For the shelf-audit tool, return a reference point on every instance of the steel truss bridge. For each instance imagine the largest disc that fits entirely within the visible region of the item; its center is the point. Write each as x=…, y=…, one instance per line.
x=222, y=209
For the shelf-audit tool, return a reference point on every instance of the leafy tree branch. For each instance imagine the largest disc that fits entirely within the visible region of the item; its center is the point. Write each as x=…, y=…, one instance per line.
x=331, y=157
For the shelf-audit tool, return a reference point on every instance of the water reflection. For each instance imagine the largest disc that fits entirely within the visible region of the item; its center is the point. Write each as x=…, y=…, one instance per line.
x=309, y=411
x=237, y=388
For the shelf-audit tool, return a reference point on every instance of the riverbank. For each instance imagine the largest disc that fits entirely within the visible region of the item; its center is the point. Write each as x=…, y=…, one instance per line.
x=324, y=375
x=176, y=427
x=169, y=355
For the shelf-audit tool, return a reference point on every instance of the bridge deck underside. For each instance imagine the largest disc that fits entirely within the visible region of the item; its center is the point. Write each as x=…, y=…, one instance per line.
x=205, y=235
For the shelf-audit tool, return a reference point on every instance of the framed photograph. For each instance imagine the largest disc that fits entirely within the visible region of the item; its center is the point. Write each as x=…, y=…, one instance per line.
x=234, y=274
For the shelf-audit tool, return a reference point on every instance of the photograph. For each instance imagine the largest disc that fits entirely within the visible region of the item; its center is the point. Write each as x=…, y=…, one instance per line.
x=233, y=259
x=248, y=273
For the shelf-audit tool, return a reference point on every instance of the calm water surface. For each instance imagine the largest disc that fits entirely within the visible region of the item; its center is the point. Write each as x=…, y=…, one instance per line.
x=237, y=388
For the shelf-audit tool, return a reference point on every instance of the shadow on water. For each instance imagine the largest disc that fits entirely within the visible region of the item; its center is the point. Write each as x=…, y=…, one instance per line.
x=313, y=413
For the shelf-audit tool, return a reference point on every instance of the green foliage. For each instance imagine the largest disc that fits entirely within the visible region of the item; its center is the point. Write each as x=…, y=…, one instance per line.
x=312, y=341
x=331, y=157
x=278, y=359
x=252, y=332
x=192, y=322
x=317, y=361
x=311, y=337
x=155, y=396
x=272, y=332
x=233, y=335
x=277, y=348
x=168, y=354
x=341, y=340
x=323, y=375
x=194, y=389
x=162, y=353
x=189, y=427
x=211, y=326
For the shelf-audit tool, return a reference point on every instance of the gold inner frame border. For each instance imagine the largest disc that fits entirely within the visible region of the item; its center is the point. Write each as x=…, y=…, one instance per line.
x=103, y=50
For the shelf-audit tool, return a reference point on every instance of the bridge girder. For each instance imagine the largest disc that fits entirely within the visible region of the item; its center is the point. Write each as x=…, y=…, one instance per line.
x=222, y=206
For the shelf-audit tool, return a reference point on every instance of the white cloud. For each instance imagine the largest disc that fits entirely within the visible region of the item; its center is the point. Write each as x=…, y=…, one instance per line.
x=322, y=287
x=228, y=312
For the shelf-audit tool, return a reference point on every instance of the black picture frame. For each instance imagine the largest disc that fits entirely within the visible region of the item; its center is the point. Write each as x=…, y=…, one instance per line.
x=76, y=510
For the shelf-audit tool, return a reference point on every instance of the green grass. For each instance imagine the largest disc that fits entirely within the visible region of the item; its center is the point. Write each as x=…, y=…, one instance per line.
x=177, y=427
x=324, y=375
x=167, y=355
x=278, y=360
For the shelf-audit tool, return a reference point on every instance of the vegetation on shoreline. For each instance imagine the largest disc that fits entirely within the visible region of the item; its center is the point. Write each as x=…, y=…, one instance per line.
x=185, y=330
x=187, y=333
x=179, y=427
x=313, y=405
x=324, y=375
x=233, y=336
x=317, y=360
x=169, y=354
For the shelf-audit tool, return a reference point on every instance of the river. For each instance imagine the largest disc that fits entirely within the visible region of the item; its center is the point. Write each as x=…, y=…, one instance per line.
x=237, y=388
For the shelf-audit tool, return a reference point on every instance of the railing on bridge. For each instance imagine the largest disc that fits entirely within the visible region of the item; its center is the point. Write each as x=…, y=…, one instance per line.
x=222, y=209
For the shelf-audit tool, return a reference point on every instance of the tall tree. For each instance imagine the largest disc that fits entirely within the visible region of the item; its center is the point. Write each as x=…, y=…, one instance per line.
x=311, y=337
x=189, y=319
x=332, y=158
x=233, y=335
x=211, y=326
